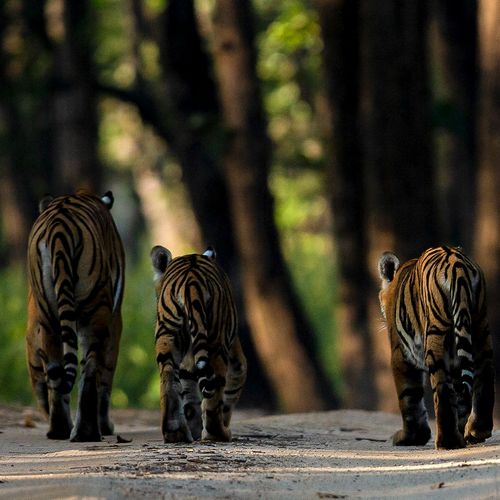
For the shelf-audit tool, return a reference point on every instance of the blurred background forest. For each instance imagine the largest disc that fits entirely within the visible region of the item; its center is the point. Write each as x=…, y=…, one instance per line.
x=300, y=138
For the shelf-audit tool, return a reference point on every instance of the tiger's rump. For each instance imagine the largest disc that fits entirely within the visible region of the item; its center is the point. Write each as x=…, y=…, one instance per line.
x=195, y=335
x=435, y=311
x=76, y=279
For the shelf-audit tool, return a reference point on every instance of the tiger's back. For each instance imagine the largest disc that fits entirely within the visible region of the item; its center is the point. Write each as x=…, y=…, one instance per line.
x=196, y=344
x=435, y=311
x=76, y=277
x=74, y=250
x=197, y=293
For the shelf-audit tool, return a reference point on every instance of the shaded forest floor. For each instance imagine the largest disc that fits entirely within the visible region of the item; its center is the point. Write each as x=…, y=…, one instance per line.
x=339, y=454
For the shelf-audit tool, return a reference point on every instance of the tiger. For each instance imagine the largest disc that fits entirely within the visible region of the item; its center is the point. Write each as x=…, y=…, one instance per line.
x=199, y=355
x=435, y=312
x=76, y=266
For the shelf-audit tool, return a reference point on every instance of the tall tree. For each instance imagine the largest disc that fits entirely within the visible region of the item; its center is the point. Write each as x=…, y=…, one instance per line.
x=382, y=182
x=182, y=107
x=339, y=21
x=454, y=44
x=23, y=151
x=487, y=241
x=74, y=101
x=280, y=330
x=397, y=143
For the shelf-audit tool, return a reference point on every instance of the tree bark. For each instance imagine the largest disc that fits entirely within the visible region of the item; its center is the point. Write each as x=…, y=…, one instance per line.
x=339, y=21
x=185, y=113
x=454, y=44
x=397, y=145
x=74, y=104
x=278, y=326
x=22, y=153
x=487, y=248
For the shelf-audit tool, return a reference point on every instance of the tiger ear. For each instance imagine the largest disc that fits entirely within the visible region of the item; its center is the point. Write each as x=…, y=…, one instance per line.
x=387, y=266
x=210, y=253
x=44, y=203
x=108, y=199
x=161, y=258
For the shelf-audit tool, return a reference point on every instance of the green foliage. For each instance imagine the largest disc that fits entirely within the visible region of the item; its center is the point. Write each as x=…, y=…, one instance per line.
x=289, y=67
x=137, y=380
x=14, y=384
x=304, y=224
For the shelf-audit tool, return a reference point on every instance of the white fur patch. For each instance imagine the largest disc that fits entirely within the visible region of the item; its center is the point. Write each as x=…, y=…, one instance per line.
x=209, y=253
x=464, y=354
x=119, y=286
x=107, y=200
x=48, y=283
x=157, y=275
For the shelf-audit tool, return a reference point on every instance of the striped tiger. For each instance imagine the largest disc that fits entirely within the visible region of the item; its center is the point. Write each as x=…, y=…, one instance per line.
x=199, y=355
x=435, y=312
x=76, y=277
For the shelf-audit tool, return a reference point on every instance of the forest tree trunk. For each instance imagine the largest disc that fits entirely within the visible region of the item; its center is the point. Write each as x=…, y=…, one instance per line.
x=184, y=111
x=339, y=21
x=397, y=146
x=22, y=148
x=278, y=325
x=487, y=249
x=76, y=164
x=454, y=44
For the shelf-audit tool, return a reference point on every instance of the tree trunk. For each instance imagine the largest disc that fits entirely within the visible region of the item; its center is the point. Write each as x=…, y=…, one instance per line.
x=185, y=113
x=74, y=104
x=22, y=154
x=454, y=43
x=277, y=323
x=397, y=146
x=339, y=21
x=487, y=249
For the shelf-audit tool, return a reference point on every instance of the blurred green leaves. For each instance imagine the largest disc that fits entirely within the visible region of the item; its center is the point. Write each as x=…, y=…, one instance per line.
x=14, y=382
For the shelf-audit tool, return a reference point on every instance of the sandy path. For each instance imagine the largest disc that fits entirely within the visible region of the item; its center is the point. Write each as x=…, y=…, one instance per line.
x=343, y=454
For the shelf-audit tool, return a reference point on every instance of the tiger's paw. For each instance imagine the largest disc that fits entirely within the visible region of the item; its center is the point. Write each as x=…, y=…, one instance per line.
x=452, y=441
x=107, y=427
x=59, y=433
x=473, y=436
x=85, y=433
x=177, y=436
x=84, y=437
x=476, y=432
x=417, y=438
x=223, y=434
x=60, y=427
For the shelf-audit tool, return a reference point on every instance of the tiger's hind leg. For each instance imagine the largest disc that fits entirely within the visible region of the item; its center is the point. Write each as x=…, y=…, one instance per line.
x=191, y=397
x=437, y=357
x=94, y=346
x=480, y=422
x=86, y=428
x=236, y=377
x=35, y=357
x=173, y=422
x=54, y=403
x=410, y=389
x=44, y=354
x=212, y=389
x=106, y=371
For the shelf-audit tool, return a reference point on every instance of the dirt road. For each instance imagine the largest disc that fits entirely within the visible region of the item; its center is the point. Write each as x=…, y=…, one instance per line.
x=343, y=454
